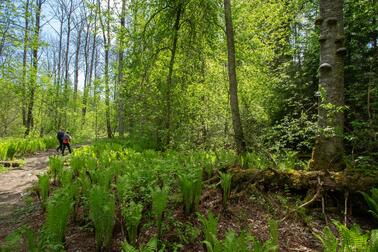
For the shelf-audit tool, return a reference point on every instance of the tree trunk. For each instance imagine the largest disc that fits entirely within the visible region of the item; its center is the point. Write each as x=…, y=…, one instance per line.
x=236, y=122
x=76, y=76
x=121, y=86
x=168, y=93
x=24, y=62
x=67, y=47
x=90, y=73
x=106, y=37
x=34, y=71
x=328, y=150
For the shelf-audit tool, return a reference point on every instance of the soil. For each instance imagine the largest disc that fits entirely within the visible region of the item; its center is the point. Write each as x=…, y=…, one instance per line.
x=14, y=193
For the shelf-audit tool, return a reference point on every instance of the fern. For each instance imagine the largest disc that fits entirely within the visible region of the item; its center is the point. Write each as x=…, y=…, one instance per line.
x=328, y=240
x=159, y=203
x=55, y=167
x=372, y=201
x=43, y=189
x=151, y=246
x=191, y=188
x=132, y=215
x=59, y=208
x=210, y=229
x=225, y=179
x=102, y=214
x=373, y=241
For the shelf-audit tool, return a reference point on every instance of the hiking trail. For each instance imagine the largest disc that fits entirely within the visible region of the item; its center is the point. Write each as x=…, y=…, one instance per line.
x=15, y=183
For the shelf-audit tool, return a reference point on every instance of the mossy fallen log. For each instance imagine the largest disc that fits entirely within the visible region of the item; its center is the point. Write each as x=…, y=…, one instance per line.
x=352, y=181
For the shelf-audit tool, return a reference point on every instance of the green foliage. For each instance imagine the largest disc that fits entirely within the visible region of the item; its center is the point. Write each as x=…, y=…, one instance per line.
x=151, y=246
x=132, y=215
x=43, y=188
x=159, y=203
x=225, y=180
x=191, y=188
x=102, y=214
x=56, y=165
x=372, y=201
x=350, y=239
x=12, y=147
x=59, y=209
x=210, y=228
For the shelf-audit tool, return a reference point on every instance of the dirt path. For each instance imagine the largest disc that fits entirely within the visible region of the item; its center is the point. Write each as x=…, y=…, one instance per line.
x=14, y=185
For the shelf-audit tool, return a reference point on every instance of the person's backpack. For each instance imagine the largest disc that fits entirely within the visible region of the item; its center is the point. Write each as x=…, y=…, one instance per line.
x=66, y=139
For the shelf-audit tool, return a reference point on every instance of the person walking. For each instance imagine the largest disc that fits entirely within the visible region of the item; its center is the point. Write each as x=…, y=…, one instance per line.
x=60, y=136
x=66, y=142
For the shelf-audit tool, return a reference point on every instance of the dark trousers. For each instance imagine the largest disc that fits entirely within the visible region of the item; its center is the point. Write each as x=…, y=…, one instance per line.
x=64, y=147
x=60, y=147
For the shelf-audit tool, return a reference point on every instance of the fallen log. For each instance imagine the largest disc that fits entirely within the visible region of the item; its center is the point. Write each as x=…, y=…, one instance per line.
x=352, y=181
x=10, y=163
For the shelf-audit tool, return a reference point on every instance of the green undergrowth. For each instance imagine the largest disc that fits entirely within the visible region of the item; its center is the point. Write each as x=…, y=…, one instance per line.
x=17, y=147
x=109, y=187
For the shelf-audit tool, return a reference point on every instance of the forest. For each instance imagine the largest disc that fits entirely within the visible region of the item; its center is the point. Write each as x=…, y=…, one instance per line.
x=195, y=125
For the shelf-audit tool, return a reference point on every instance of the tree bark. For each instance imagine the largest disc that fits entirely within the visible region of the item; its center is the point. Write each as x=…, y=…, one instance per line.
x=24, y=61
x=76, y=76
x=34, y=71
x=106, y=37
x=69, y=14
x=168, y=93
x=233, y=88
x=121, y=86
x=328, y=150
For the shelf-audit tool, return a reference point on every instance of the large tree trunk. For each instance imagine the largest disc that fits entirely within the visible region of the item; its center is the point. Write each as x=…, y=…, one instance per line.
x=236, y=122
x=328, y=150
x=34, y=71
x=24, y=61
x=121, y=86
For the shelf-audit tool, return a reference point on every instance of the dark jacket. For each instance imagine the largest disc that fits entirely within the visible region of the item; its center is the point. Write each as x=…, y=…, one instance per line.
x=60, y=135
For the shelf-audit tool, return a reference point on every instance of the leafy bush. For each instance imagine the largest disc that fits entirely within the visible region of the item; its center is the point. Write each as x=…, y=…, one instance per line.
x=102, y=214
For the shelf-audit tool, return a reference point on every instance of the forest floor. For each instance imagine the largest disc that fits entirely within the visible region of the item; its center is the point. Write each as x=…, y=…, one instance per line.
x=250, y=209
x=14, y=190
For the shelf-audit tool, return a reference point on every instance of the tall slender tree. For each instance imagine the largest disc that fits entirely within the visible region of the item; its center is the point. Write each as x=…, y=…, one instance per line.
x=34, y=70
x=233, y=84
